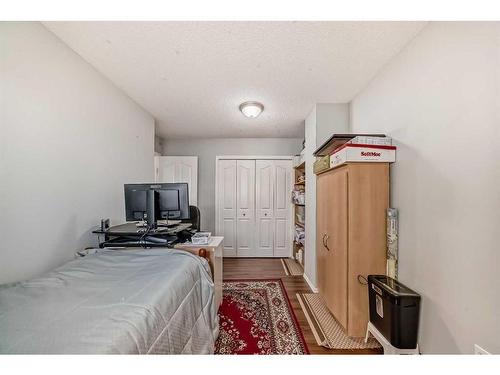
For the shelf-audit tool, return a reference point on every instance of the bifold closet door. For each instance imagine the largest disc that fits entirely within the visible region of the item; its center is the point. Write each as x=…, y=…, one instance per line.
x=273, y=207
x=226, y=186
x=254, y=208
x=282, y=208
x=245, y=208
x=264, y=207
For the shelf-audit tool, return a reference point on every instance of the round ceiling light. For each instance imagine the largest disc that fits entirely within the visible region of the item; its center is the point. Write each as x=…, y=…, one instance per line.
x=251, y=109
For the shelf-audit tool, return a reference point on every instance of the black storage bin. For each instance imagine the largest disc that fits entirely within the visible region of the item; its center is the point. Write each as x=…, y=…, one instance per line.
x=394, y=310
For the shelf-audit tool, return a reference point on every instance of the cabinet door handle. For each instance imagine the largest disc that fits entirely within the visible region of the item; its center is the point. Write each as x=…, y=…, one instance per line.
x=362, y=280
x=325, y=241
x=244, y=214
x=265, y=214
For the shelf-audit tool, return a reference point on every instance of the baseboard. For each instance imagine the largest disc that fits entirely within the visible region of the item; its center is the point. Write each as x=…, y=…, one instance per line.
x=311, y=285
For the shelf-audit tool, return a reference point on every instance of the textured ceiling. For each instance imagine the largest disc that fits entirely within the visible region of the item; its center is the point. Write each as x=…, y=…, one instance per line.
x=192, y=76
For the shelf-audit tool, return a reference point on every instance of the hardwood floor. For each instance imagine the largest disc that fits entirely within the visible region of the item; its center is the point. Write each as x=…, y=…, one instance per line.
x=264, y=268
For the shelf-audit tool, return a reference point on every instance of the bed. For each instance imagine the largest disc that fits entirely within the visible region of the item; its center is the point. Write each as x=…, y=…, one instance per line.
x=157, y=301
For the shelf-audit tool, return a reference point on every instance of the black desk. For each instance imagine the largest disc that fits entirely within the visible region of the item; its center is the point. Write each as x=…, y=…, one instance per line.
x=131, y=235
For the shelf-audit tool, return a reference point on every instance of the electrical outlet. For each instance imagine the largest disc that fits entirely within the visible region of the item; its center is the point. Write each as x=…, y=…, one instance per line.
x=479, y=350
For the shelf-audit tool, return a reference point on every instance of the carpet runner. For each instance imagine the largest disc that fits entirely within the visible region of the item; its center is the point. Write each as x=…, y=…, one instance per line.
x=292, y=267
x=326, y=330
x=255, y=317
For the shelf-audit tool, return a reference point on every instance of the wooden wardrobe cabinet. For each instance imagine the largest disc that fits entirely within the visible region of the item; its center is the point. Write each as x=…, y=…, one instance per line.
x=351, y=200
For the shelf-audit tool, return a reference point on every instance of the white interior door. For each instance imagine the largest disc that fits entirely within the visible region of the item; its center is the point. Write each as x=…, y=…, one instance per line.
x=282, y=208
x=245, y=208
x=264, y=207
x=179, y=169
x=226, y=205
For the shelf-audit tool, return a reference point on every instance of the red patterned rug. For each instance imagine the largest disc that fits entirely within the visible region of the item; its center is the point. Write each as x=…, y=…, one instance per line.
x=255, y=317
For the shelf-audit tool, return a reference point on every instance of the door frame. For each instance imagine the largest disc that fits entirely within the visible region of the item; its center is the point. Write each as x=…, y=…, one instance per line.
x=253, y=157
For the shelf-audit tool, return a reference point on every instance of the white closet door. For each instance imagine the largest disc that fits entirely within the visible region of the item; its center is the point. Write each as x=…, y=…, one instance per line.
x=282, y=208
x=245, y=207
x=226, y=185
x=264, y=208
x=179, y=169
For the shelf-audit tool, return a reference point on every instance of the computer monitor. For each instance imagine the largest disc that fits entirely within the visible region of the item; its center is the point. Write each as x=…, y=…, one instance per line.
x=152, y=202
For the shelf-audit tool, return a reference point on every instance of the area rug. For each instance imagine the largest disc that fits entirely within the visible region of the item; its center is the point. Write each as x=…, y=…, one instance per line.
x=292, y=267
x=326, y=330
x=255, y=317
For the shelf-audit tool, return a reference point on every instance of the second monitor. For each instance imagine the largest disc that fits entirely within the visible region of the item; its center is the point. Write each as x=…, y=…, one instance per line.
x=152, y=202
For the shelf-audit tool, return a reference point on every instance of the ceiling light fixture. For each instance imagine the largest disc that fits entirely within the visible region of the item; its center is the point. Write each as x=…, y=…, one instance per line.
x=251, y=109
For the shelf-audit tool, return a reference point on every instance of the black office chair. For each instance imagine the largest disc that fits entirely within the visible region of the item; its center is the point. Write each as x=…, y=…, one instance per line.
x=194, y=213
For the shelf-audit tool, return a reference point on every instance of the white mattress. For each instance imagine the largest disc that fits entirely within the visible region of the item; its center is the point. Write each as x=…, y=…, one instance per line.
x=114, y=301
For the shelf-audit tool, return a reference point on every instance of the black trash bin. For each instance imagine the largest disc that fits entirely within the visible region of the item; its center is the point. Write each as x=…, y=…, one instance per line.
x=394, y=310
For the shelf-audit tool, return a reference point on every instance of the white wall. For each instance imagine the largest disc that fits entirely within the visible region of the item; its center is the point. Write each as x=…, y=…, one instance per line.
x=331, y=118
x=208, y=149
x=440, y=101
x=69, y=140
x=158, y=145
x=324, y=120
x=310, y=200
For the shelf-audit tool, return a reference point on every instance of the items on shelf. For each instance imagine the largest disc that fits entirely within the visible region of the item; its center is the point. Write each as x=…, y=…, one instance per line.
x=321, y=164
x=299, y=256
x=299, y=220
x=300, y=215
x=298, y=197
x=300, y=235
